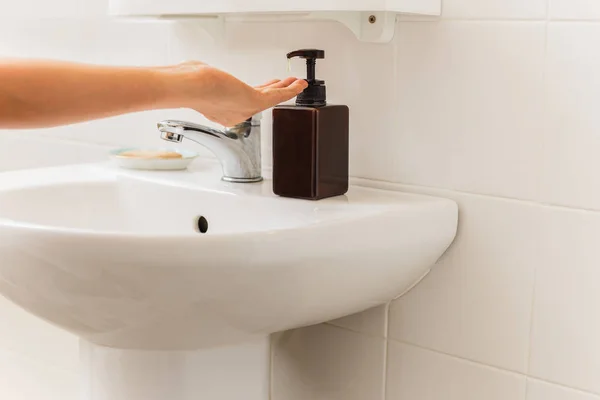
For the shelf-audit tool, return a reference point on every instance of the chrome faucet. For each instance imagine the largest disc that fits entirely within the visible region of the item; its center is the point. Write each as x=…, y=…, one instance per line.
x=237, y=148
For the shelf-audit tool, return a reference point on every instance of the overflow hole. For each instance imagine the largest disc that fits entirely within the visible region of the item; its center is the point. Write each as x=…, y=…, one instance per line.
x=202, y=224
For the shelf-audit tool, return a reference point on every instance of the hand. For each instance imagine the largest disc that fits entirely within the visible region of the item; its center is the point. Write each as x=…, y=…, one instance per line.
x=43, y=94
x=224, y=99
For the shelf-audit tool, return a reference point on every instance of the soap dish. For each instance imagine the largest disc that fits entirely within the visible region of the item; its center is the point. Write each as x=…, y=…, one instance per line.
x=153, y=158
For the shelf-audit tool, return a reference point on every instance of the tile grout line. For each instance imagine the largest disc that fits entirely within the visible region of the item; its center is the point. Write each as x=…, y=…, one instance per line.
x=386, y=347
x=37, y=362
x=536, y=267
x=530, y=339
x=497, y=369
x=531, y=319
x=386, y=185
x=544, y=105
x=365, y=182
x=386, y=328
x=378, y=337
x=271, y=369
x=563, y=386
x=594, y=21
x=464, y=359
x=527, y=383
x=366, y=334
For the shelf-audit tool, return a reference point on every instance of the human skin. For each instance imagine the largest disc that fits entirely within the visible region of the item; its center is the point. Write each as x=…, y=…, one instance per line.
x=43, y=93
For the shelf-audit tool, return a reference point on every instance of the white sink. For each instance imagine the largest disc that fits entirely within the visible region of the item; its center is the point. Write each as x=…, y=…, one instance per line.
x=117, y=258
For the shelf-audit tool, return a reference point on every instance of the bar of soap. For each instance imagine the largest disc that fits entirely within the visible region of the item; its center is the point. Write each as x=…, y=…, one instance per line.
x=150, y=154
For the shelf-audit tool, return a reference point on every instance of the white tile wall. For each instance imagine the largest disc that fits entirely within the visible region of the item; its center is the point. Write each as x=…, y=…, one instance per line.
x=571, y=131
x=42, y=9
x=31, y=150
x=538, y=390
x=414, y=373
x=371, y=322
x=574, y=10
x=493, y=105
x=566, y=327
x=470, y=94
x=24, y=379
x=476, y=303
x=95, y=40
x=495, y=9
x=325, y=362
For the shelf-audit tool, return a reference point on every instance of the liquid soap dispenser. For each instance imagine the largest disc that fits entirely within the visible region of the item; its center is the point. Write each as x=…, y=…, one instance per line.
x=310, y=141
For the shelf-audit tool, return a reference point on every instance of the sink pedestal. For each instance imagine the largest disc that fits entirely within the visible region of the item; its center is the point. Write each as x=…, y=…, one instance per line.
x=239, y=372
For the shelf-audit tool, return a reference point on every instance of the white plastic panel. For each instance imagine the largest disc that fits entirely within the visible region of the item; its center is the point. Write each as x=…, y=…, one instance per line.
x=186, y=7
x=369, y=20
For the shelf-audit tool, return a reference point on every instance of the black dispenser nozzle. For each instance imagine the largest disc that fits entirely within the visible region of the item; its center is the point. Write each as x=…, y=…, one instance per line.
x=315, y=94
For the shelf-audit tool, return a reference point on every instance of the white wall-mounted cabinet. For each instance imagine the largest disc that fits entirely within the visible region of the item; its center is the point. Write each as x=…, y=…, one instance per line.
x=369, y=20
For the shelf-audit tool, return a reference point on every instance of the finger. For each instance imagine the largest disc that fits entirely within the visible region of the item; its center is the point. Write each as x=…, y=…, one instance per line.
x=283, y=84
x=266, y=84
x=181, y=64
x=277, y=96
x=192, y=62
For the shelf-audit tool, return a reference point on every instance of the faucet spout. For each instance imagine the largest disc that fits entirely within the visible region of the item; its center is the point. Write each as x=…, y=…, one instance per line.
x=237, y=147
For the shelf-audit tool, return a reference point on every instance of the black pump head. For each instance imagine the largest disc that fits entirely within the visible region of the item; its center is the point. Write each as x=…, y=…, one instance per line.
x=315, y=94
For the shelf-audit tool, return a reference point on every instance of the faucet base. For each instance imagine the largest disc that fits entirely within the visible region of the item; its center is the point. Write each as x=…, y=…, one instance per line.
x=237, y=148
x=242, y=180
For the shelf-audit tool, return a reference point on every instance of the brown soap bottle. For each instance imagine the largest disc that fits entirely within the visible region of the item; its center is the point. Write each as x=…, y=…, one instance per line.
x=310, y=141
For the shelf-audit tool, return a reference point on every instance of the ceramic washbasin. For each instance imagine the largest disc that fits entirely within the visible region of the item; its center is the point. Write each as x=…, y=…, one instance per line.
x=118, y=258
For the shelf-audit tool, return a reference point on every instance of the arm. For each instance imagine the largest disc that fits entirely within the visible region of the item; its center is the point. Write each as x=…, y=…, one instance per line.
x=36, y=94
